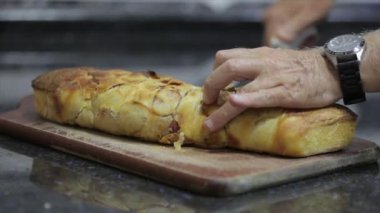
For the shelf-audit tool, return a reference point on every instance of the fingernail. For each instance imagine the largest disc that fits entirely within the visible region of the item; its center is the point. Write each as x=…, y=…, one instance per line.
x=209, y=124
x=237, y=98
x=285, y=34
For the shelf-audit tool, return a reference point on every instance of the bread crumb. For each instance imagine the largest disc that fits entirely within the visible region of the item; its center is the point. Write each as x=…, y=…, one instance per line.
x=179, y=142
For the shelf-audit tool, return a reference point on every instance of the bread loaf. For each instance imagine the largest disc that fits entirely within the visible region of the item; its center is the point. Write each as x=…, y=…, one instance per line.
x=165, y=110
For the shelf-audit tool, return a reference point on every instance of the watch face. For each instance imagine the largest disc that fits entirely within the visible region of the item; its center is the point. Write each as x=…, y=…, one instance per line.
x=345, y=44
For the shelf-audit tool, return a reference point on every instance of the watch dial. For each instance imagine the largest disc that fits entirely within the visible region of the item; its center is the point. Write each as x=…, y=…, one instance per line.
x=345, y=43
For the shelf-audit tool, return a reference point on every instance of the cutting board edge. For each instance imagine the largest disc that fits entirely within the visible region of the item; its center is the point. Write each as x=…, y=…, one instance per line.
x=367, y=157
x=196, y=183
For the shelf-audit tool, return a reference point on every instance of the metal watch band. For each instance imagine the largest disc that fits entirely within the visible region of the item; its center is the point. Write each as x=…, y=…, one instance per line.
x=350, y=80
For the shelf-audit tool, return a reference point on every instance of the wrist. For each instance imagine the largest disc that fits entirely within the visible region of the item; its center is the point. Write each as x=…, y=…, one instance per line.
x=332, y=80
x=345, y=53
x=335, y=84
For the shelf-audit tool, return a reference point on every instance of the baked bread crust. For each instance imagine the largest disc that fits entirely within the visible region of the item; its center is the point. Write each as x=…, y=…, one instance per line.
x=162, y=109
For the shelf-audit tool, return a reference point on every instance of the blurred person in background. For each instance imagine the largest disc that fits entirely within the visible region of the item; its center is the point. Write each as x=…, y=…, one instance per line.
x=286, y=20
x=346, y=67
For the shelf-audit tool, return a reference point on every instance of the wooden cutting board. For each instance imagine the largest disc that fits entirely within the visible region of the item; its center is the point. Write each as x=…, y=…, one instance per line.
x=208, y=171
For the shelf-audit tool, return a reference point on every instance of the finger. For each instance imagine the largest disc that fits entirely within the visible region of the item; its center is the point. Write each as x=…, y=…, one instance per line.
x=268, y=34
x=288, y=32
x=271, y=26
x=298, y=23
x=222, y=116
x=224, y=55
x=276, y=17
x=233, y=69
x=273, y=97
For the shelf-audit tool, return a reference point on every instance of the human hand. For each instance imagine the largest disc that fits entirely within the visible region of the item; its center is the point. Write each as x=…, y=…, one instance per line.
x=286, y=19
x=278, y=78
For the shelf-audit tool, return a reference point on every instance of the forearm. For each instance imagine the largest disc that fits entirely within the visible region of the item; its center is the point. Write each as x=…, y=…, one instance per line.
x=370, y=65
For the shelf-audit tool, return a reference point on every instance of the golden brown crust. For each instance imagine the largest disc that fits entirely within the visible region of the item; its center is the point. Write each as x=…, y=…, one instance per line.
x=158, y=108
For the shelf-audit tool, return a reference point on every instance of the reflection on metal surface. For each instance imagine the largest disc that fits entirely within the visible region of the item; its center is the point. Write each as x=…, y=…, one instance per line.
x=139, y=195
x=118, y=193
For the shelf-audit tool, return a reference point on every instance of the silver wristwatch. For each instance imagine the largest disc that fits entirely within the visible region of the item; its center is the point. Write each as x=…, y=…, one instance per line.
x=345, y=53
